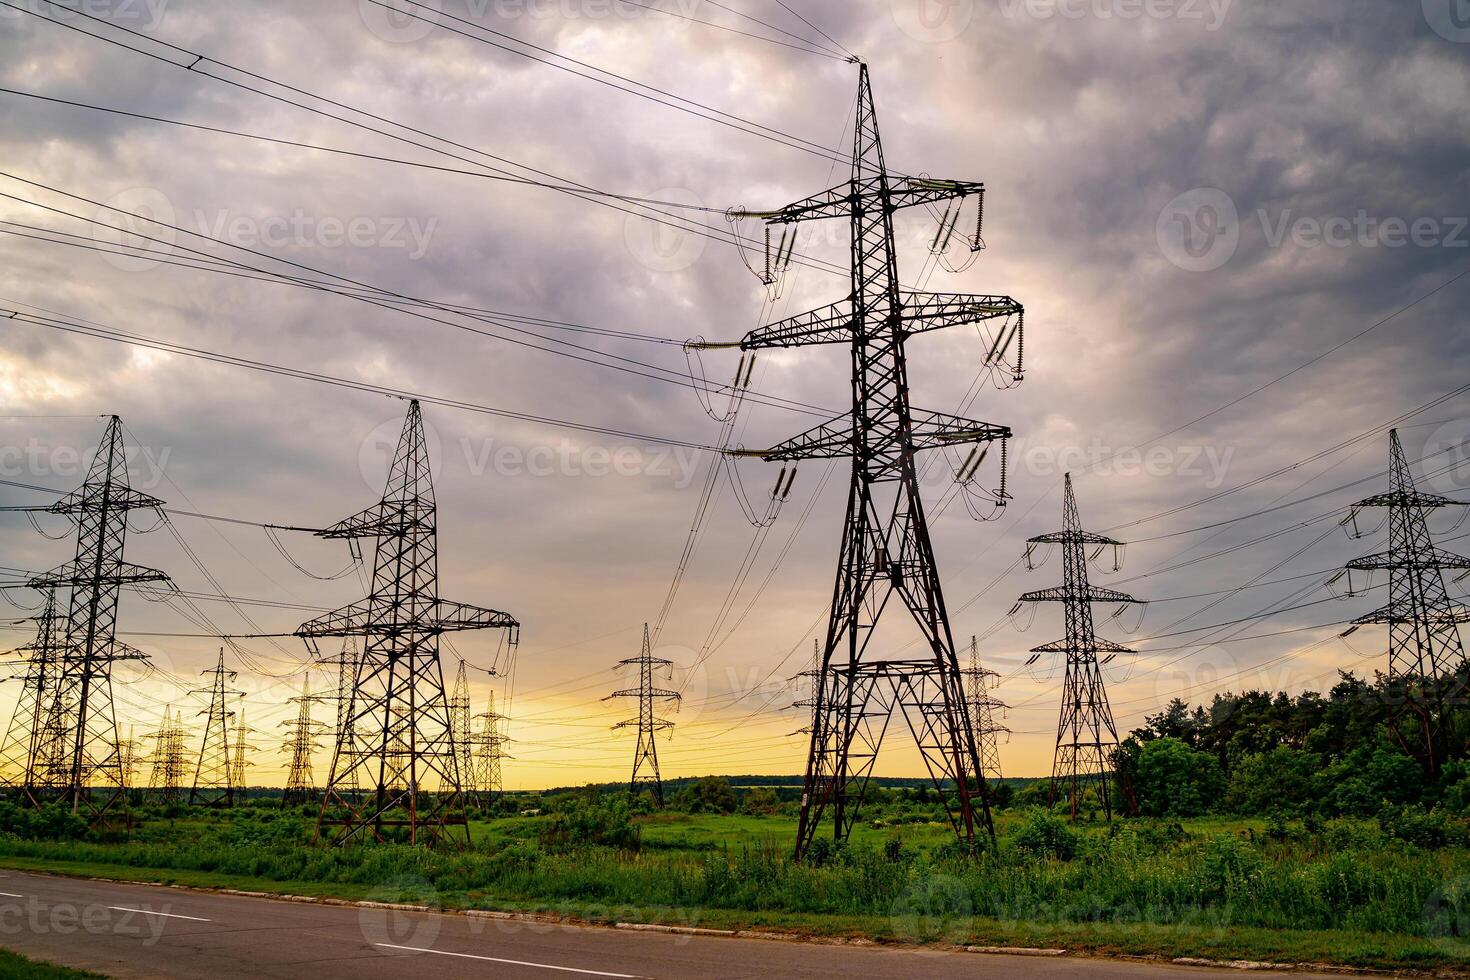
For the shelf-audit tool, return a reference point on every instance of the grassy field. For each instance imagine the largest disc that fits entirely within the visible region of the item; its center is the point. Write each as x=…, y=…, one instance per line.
x=18, y=967
x=1345, y=892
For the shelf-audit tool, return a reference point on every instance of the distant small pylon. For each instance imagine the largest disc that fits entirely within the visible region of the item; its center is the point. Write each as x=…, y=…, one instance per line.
x=213, y=777
x=301, y=742
x=645, y=756
x=983, y=707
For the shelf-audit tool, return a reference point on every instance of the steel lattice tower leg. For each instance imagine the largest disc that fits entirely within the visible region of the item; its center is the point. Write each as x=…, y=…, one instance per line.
x=1087, y=739
x=402, y=752
x=80, y=735
x=19, y=753
x=885, y=556
x=645, y=755
x=214, y=782
x=1425, y=656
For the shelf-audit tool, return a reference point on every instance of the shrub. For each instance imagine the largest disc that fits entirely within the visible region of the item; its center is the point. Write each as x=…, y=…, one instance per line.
x=1046, y=835
x=592, y=822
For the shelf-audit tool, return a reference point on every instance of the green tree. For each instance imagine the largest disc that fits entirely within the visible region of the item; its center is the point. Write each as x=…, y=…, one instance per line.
x=1173, y=780
x=1279, y=779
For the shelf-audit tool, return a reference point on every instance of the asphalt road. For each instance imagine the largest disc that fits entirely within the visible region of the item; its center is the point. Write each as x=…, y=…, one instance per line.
x=148, y=931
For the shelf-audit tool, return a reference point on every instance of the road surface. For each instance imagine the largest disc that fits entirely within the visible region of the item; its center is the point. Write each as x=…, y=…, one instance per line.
x=125, y=930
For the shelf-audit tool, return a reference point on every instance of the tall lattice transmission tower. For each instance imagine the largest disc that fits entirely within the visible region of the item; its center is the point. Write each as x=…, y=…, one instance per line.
x=645, y=754
x=1087, y=739
x=214, y=782
x=346, y=663
x=1425, y=657
x=79, y=737
x=984, y=706
x=240, y=754
x=460, y=711
x=42, y=660
x=169, y=764
x=489, y=752
x=886, y=560
x=302, y=734
x=128, y=749
x=398, y=694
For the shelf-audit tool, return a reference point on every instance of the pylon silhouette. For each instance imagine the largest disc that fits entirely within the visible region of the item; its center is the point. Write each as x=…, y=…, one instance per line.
x=402, y=754
x=301, y=742
x=214, y=783
x=645, y=755
x=166, y=780
x=1426, y=660
x=240, y=762
x=490, y=742
x=459, y=724
x=886, y=557
x=983, y=706
x=42, y=659
x=1087, y=739
x=83, y=767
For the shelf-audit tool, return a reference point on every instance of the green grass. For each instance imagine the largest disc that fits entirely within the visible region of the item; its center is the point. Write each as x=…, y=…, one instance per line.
x=1214, y=888
x=18, y=967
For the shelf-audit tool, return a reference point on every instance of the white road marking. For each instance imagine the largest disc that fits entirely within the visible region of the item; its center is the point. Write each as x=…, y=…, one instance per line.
x=10, y=895
x=166, y=915
x=496, y=959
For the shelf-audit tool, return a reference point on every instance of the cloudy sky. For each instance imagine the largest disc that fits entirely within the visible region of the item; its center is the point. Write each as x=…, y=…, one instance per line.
x=1204, y=205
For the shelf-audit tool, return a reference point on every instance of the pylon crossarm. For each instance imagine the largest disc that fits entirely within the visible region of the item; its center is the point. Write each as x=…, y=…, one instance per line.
x=1089, y=593
x=1428, y=557
x=1096, y=645
x=934, y=430
x=923, y=312
x=1074, y=537
x=74, y=574
x=1396, y=612
x=831, y=324
x=442, y=616
x=893, y=191
x=117, y=498
x=830, y=440
x=383, y=519
x=1410, y=498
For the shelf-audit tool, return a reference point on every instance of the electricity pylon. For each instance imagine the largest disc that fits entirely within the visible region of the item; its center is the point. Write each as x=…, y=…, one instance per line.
x=645, y=755
x=42, y=659
x=301, y=742
x=240, y=762
x=813, y=674
x=79, y=735
x=488, y=752
x=214, y=782
x=886, y=554
x=1087, y=739
x=1425, y=655
x=128, y=749
x=346, y=664
x=459, y=725
x=983, y=706
x=166, y=780
x=398, y=693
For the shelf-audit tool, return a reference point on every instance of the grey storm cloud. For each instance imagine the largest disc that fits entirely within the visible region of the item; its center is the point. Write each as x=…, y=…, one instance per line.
x=1087, y=119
